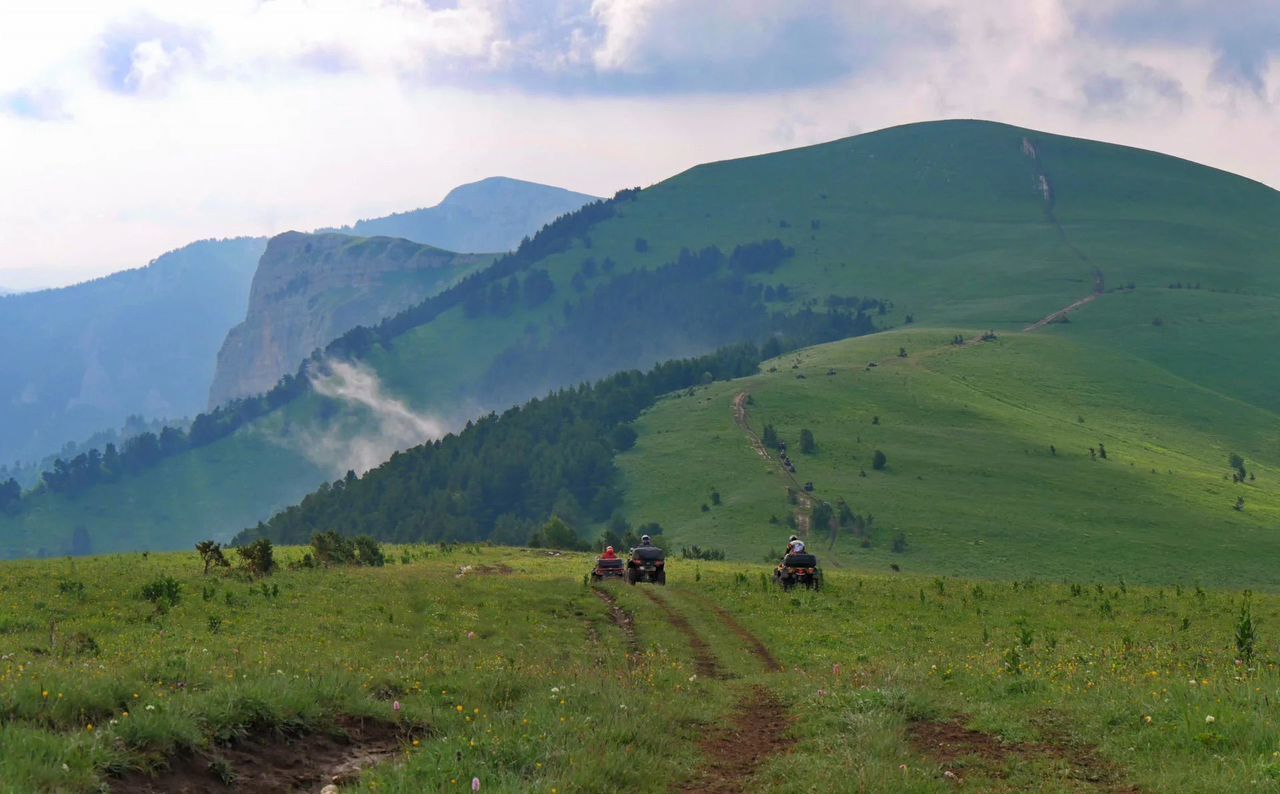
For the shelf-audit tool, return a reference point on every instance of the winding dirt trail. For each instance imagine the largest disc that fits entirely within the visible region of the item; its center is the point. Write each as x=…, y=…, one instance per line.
x=1061, y=313
x=804, y=503
x=704, y=659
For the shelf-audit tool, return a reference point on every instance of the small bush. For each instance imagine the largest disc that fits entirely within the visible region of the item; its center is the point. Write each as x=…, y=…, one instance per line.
x=368, y=552
x=879, y=461
x=698, y=553
x=211, y=553
x=259, y=557
x=164, y=592
x=899, y=545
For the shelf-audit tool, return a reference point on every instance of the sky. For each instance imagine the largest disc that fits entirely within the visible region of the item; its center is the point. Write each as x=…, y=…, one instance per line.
x=132, y=127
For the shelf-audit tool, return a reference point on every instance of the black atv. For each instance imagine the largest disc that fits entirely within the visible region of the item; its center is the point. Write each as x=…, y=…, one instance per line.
x=608, y=568
x=798, y=569
x=647, y=564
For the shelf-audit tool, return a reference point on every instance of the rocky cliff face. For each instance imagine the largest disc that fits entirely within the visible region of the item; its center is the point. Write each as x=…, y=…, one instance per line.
x=311, y=288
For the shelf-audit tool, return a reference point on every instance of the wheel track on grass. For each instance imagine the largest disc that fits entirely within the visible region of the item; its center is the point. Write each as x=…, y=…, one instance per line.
x=621, y=618
x=757, y=728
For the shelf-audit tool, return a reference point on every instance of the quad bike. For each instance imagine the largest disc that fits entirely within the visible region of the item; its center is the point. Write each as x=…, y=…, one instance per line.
x=798, y=569
x=608, y=568
x=647, y=564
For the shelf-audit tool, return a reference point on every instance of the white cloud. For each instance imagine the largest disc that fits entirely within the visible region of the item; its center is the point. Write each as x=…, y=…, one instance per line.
x=131, y=127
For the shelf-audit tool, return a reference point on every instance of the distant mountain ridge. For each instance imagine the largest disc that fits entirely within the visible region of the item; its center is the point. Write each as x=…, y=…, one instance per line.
x=78, y=360
x=493, y=214
x=311, y=288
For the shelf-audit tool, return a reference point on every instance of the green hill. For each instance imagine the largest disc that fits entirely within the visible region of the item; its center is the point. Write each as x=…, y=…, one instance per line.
x=947, y=225
x=993, y=465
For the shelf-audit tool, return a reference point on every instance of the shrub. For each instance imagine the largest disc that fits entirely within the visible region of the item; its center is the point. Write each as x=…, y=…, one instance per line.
x=770, y=437
x=330, y=548
x=698, y=553
x=368, y=552
x=879, y=461
x=259, y=557
x=1245, y=635
x=211, y=553
x=807, y=445
x=899, y=545
x=164, y=593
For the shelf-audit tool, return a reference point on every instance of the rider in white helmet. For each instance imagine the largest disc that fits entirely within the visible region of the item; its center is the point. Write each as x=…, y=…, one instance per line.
x=795, y=545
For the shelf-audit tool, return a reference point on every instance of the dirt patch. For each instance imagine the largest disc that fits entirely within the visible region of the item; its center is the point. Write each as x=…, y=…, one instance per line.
x=956, y=748
x=268, y=762
x=756, y=730
x=621, y=618
x=704, y=659
x=753, y=642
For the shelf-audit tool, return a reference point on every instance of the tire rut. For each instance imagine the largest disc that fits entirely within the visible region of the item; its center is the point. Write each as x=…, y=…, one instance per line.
x=756, y=731
x=622, y=619
x=758, y=648
x=704, y=659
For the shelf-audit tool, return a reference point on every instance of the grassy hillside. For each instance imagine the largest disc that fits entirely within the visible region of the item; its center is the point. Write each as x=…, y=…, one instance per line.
x=454, y=664
x=971, y=480
x=953, y=224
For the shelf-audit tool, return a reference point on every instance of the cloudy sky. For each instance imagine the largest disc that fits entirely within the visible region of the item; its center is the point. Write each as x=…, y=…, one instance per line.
x=130, y=127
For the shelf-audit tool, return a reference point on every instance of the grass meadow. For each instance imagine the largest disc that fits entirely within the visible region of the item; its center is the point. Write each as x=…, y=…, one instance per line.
x=508, y=669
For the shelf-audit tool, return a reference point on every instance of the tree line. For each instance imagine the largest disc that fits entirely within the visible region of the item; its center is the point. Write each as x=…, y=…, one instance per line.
x=503, y=476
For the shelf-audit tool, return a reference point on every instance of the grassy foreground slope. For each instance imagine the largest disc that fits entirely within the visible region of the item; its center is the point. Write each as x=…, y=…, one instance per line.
x=506, y=668
x=989, y=466
x=960, y=223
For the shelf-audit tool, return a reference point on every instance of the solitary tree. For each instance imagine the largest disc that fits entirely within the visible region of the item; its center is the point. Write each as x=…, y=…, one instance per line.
x=807, y=444
x=879, y=461
x=770, y=437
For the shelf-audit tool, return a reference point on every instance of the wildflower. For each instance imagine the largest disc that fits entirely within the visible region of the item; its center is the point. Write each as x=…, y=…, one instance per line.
x=1147, y=719
x=471, y=635
x=89, y=727
x=949, y=775
x=416, y=743
x=45, y=694
x=150, y=707
x=835, y=669
x=459, y=708
x=395, y=705
x=475, y=784
x=1210, y=719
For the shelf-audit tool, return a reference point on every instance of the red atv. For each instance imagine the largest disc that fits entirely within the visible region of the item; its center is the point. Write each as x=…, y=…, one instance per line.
x=798, y=569
x=608, y=568
x=647, y=564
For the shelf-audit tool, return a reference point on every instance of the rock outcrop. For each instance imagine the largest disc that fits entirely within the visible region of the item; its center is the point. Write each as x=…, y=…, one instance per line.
x=311, y=288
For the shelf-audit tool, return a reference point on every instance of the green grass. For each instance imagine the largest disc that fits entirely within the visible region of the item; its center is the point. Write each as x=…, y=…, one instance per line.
x=519, y=677
x=971, y=480
x=945, y=220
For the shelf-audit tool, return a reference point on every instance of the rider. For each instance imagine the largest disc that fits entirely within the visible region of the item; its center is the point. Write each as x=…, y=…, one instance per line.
x=609, y=554
x=645, y=540
x=795, y=546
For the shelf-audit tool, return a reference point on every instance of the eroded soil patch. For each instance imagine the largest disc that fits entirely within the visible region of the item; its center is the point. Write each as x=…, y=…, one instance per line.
x=756, y=730
x=959, y=750
x=267, y=762
x=704, y=659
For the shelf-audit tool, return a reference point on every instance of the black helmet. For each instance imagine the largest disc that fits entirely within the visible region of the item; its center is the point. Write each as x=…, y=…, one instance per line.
x=645, y=539
x=793, y=537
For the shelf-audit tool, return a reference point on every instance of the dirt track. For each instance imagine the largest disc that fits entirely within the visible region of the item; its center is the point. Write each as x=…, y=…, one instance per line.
x=758, y=726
